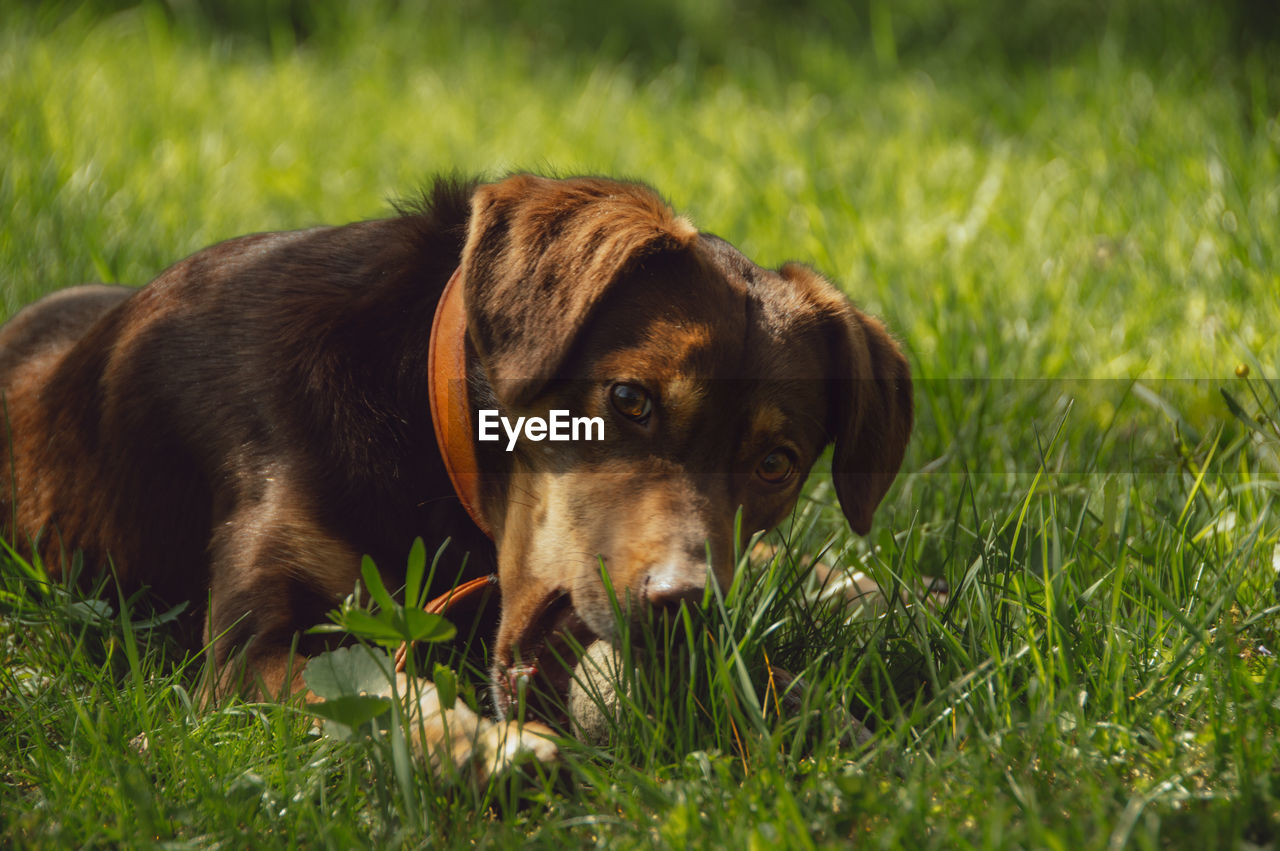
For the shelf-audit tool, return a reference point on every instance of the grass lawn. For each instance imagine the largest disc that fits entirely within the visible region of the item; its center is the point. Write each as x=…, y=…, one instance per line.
x=1066, y=211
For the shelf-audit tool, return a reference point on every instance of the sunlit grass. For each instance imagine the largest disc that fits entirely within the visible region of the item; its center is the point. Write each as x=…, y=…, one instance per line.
x=1077, y=253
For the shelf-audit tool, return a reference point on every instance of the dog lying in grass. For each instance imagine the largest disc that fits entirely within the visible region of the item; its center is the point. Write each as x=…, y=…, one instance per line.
x=247, y=426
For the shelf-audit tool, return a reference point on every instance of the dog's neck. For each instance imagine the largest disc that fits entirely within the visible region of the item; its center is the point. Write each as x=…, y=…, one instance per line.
x=449, y=398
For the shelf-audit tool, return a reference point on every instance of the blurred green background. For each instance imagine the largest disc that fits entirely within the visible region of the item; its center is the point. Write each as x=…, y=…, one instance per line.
x=1023, y=189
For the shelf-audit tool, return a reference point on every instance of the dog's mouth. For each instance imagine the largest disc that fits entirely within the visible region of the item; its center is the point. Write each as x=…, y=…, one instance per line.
x=539, y=669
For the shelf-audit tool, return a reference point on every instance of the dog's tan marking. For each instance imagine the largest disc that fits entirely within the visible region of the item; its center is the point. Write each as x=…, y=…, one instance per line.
x=768, y=421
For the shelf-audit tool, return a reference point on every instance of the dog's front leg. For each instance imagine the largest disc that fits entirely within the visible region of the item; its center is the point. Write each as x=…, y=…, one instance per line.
x=451, y=742
x=275, y=571
x=265, y=594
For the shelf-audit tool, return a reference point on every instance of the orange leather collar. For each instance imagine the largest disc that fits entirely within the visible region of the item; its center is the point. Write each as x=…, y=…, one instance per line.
x=444, y=604
x=450, y=399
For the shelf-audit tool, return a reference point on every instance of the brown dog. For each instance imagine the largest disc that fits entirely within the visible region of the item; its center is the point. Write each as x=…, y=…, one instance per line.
x=249, y=424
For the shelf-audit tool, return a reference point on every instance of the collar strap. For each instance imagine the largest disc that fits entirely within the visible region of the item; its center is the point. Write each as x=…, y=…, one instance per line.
x=450, y=399
x=447, y=603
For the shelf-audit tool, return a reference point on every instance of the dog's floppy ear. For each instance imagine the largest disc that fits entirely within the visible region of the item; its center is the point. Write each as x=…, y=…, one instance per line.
x=870, y=407
x=539, y=255
x=873, y=414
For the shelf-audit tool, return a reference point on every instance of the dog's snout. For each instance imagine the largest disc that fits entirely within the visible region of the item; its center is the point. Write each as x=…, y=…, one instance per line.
x=669, y=585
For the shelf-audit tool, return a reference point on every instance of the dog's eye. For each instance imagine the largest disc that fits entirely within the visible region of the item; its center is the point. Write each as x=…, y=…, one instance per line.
x=778, y=466
x=631, y=401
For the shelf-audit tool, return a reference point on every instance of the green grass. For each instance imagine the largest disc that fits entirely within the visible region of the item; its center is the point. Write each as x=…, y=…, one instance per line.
x=1065, y=211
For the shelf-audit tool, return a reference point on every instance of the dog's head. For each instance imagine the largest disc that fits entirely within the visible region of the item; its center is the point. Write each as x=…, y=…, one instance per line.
x=713, y=384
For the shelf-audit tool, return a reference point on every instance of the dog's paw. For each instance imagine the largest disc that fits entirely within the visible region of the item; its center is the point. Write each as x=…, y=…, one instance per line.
x=507, y=745
x=457, y=742
x=860, y=594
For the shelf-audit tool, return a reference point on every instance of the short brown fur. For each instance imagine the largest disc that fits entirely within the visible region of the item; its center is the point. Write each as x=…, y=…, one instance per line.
x=249, y=424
